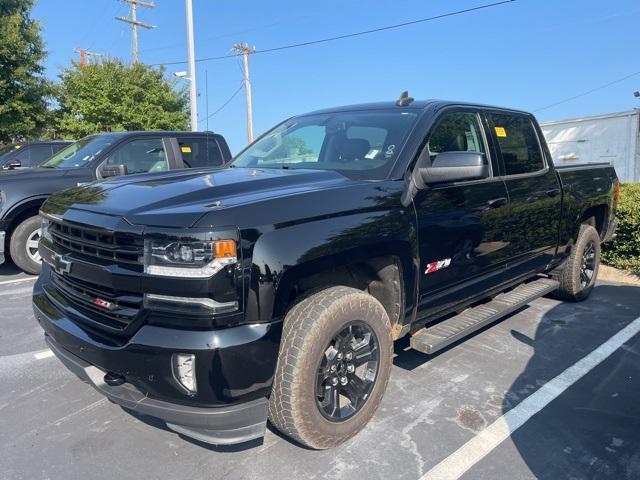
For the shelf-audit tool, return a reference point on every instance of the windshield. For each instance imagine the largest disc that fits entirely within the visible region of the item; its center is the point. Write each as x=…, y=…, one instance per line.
x=81, y=153
x=362, y=144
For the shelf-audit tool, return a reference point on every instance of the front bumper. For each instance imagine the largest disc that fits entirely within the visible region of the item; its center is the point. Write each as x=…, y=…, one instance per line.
x=234, y=369
x=2, y=239
x=220, y=425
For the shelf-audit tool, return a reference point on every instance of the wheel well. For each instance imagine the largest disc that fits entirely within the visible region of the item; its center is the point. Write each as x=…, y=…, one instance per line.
x=26, y=211
x=596, y=216
x=380, y=277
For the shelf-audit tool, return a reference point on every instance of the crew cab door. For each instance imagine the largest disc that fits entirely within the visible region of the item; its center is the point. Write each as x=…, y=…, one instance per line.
x=461, y=227
x=534, y=210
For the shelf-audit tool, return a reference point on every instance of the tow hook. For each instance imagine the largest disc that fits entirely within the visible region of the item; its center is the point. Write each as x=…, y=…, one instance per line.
x=114, y=379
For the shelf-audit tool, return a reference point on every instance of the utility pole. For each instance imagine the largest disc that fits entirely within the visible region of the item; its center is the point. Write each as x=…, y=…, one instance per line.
x=133, y=21
x=244, y=50
x=206, y=96
x=193, y=94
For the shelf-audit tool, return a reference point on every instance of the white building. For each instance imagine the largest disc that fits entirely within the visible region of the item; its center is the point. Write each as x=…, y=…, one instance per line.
x=612, y=138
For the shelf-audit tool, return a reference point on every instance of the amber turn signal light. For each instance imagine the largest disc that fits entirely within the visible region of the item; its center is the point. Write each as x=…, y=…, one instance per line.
x=225, y=249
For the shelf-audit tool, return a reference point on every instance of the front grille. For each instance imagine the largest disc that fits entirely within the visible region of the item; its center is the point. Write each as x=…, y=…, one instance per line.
x=123, y=249
x=122, y=311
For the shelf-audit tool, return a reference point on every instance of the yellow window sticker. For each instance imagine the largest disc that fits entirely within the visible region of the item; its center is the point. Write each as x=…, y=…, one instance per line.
x=18, y=146
x=186, y=149
x=501, y=132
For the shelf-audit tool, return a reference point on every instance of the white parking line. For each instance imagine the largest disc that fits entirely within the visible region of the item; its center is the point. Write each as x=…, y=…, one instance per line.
x=42, y=355
x=460, y=461
x=8, y=282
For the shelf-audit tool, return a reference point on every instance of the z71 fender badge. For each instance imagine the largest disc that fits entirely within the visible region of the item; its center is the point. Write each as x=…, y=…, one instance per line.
x=439, y=265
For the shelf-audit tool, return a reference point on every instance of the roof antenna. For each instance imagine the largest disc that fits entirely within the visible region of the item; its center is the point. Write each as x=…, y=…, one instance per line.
x=404, y=99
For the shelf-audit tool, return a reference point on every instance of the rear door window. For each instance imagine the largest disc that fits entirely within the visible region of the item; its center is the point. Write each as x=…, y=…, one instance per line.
x=200, y=152
x=518, y=143
x=141, y=156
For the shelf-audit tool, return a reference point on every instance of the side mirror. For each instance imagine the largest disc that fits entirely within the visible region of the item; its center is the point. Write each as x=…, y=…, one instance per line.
x=455, y=167
x=113, y=171
x=13, y=165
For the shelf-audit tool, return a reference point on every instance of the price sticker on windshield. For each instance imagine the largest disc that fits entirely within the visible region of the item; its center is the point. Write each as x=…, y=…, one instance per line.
x=501, y=132
x=186, y=149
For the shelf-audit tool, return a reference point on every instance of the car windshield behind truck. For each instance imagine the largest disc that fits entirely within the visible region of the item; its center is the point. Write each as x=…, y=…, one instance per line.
x=362, y=144
x=81, y=153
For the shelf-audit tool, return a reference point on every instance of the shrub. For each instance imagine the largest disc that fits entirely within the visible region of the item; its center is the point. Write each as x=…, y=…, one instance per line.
x=624, y=251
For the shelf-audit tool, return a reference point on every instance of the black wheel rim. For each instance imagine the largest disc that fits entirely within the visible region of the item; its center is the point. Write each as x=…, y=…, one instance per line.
x=347, y=372
x=588, y=267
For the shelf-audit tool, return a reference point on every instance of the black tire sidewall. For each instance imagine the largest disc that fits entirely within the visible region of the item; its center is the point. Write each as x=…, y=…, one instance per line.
x=18, y=245
x=587, y=234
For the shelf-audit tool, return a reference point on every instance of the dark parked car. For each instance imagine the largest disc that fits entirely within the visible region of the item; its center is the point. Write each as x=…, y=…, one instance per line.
x=29, y=154
x=95, y=157
x=275, y=288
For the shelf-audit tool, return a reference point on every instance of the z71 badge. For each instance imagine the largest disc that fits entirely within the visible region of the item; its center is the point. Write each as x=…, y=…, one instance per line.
x=439, y=265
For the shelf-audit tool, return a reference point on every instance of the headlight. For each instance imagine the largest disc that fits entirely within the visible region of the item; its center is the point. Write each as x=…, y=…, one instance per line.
x=188, y=258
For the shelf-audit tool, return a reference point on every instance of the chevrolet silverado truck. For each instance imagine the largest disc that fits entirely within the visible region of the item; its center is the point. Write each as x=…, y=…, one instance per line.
x=274, y=289
x=95, y=157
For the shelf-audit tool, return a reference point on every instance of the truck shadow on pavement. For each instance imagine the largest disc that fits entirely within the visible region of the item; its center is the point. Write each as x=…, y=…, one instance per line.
x=591, y=429
x=8, y=269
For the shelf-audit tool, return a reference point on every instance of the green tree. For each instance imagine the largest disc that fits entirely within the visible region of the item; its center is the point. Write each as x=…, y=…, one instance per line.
x=23, y=88
x=112, y=96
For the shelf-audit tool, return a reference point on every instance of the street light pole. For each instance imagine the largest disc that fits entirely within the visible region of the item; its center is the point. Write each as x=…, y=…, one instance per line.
x=192, y=68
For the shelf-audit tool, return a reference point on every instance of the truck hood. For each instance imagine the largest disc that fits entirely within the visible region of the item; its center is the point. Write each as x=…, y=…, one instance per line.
x=180, y=199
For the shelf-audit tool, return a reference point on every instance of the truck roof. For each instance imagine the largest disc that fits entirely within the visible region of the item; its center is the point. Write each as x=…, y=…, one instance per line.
x=154, y=132
x=415, y=105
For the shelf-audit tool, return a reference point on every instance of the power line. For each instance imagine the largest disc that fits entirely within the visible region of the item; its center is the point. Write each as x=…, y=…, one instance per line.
x=351, y=35
x=588, y=92
x=227, y=102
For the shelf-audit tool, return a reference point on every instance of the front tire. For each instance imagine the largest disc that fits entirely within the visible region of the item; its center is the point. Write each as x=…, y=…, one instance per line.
x=23, y=246
x=577, y=275
x=333, y=368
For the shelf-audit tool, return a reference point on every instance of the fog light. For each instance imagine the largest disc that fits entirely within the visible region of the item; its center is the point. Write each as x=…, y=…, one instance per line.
x=184, y=371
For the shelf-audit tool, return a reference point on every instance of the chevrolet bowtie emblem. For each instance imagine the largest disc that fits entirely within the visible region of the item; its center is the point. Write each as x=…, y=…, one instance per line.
x=60, y=264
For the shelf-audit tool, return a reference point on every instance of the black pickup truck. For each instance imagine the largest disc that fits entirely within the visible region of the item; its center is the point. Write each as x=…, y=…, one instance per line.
x=275, y=288
x=22, y=192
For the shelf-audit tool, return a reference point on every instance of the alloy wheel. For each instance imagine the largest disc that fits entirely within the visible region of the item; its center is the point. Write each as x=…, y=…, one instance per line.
x=32, y=246
x=588, y=265
x=347, y=371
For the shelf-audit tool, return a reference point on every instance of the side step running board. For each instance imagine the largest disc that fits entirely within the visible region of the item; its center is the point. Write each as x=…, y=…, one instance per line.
x=431, y=339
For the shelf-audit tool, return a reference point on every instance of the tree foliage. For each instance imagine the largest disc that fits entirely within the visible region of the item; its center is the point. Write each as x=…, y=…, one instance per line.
x=23, y=88
x=113, y=96
x=624, y=251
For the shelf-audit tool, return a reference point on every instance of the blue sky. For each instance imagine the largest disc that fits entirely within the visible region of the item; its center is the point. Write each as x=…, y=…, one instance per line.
x=526, y=54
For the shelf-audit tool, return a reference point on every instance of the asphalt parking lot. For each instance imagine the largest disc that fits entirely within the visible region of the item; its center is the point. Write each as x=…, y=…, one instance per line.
x=550, y=392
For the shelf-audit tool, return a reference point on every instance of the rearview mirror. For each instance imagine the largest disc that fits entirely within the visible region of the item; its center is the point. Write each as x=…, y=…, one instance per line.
x=113, y=171
x=455, y=167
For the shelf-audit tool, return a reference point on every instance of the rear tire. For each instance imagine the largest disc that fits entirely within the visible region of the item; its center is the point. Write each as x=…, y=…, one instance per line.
x=577, y=275
x=335, y=328
x=23, y=246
